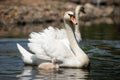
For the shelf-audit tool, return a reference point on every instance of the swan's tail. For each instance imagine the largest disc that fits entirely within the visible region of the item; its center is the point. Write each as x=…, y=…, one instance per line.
x=27, y=57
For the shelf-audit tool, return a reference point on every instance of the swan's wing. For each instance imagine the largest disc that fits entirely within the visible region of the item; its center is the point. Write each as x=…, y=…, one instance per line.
x=39, y=52
x=61, y=33
x=37, y=40
x=50, y=32
x=50, y=43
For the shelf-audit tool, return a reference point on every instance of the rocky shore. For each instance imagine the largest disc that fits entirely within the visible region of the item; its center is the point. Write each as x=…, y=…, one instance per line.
x=40, y=11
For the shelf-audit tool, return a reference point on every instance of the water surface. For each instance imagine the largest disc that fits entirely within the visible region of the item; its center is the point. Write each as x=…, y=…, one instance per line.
x=101, y=44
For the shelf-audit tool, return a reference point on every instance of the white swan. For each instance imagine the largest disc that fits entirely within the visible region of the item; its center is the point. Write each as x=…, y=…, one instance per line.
x=47, y=45
x=78, y=9
x=26, y=56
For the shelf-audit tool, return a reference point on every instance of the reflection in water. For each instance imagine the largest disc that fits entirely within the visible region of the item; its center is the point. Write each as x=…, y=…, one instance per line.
x=30, y=73
x=20, y=31
x=99, y=32
x=10, y=66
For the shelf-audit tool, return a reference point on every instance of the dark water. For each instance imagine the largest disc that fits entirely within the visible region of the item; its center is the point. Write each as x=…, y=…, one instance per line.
x=104, y=53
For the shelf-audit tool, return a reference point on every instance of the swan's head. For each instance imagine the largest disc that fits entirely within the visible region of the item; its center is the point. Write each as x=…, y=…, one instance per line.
x=81, y=8
x=69, y=16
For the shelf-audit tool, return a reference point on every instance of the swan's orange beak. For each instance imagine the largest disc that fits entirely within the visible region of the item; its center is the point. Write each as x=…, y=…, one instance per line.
x=72, y=18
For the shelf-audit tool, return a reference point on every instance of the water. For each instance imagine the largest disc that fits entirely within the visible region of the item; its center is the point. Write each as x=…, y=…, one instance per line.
x=104, y=53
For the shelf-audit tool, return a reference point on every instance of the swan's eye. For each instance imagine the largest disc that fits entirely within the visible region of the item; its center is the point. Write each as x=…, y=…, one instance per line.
x=71, y=15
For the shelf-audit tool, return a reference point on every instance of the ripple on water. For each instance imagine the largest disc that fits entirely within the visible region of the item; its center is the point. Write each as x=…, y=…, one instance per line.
x=104, y=56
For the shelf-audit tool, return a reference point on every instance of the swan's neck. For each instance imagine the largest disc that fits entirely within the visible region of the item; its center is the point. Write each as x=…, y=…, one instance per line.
x=77, y=27
x=80, y=55
x=77, y=19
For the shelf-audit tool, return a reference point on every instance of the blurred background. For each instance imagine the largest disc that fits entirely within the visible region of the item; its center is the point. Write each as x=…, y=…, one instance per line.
x=18, y=18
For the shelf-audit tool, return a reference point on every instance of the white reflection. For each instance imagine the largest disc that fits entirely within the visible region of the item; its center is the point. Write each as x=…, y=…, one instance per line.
x=31, y=73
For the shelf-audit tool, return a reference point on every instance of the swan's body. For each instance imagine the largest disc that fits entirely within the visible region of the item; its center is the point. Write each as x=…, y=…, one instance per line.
x=47, y=45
